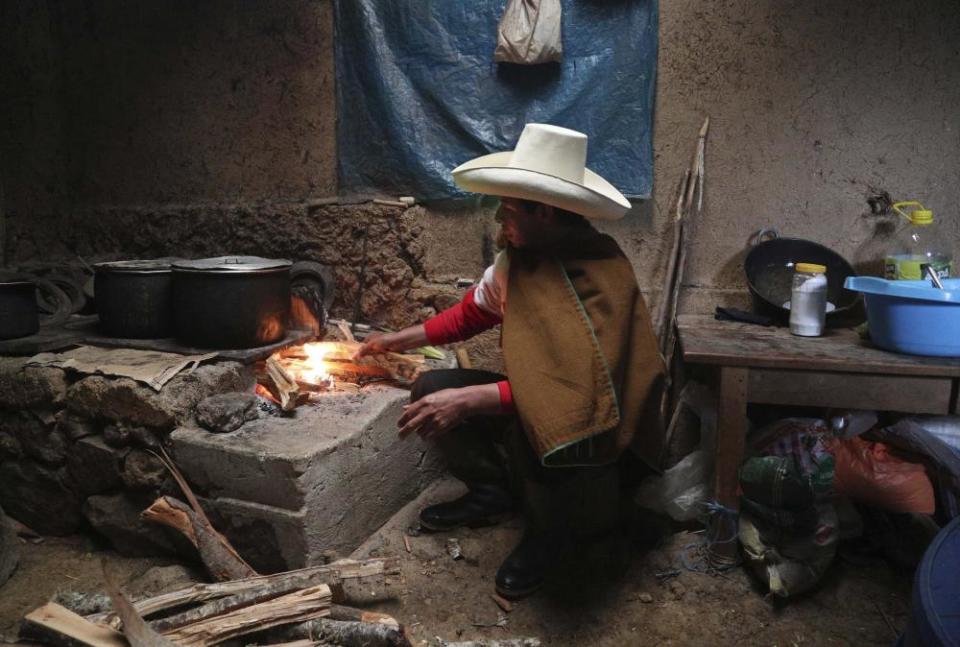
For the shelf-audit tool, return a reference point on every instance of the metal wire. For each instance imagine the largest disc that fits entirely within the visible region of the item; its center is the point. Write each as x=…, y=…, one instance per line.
x=701, y=556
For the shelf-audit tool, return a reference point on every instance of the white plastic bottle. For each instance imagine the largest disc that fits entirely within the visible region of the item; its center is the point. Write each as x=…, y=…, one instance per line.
x=808, y=300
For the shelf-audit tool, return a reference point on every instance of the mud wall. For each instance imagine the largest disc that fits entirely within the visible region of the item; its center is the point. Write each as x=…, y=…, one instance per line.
x=209, y=128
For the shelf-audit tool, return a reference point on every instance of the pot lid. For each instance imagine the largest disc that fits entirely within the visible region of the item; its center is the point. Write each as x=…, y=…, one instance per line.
x=233, y=264
x=141, y=266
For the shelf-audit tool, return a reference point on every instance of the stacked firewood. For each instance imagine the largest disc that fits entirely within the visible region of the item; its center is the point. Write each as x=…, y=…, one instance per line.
x=305, y=604
x=310, y=604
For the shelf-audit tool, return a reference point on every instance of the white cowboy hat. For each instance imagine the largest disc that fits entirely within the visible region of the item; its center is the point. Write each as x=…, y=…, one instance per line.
x=546, y=166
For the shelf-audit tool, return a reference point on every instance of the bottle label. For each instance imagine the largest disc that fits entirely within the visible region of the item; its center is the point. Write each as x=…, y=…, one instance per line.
x=908, y=269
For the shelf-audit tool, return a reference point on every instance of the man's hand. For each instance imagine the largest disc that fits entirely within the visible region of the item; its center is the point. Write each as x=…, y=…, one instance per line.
x=381, y=342
x=439, y=412
x=376, y=342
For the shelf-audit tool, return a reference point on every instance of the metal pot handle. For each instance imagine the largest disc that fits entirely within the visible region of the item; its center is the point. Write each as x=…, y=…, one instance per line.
x=765, y=232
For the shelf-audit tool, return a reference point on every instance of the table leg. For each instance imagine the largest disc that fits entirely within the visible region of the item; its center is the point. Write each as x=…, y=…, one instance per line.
x=728, y=453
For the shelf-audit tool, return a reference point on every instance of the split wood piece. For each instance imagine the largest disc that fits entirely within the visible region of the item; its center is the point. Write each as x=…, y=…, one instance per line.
x=694, y=188
x=286, y=387
x=299, y=606
x=134, y=627
x=342, y=632
x=340, y=612
x=509, y=642
x=663, y=306
x=221, y=560
x=55, y=625
x=224, y=562
x=346, y=331
x=463, y=358
x=378, y=576
x=264, y=380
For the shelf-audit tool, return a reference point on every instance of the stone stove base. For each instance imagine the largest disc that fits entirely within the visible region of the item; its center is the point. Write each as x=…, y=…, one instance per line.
x=73, y=454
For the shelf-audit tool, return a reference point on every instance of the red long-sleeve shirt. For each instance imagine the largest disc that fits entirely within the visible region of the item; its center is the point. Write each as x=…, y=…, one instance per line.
x=461, y=322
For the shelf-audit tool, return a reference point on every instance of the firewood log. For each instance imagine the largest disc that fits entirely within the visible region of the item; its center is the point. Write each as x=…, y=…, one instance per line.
x=297, y=607
x=221, y=560
x=345, y=633
x=340, y=612
x=286, y=387
x=134, y=627
x=375, y=577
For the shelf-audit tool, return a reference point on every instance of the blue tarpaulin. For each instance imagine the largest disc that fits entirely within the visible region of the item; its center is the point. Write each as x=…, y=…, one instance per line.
x=418, y=92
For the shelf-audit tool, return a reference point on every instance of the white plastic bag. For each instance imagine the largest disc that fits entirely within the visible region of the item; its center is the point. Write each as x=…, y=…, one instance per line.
x=529, y=33
x=682, y=489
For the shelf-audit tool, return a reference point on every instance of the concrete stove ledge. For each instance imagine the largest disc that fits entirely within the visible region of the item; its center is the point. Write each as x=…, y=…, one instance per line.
x=287, y=489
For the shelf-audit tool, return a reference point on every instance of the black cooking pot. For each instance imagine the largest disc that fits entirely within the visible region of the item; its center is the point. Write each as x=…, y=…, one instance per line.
x=134, y=298
x=18, y=307
x=769, y=267
x=231, y=301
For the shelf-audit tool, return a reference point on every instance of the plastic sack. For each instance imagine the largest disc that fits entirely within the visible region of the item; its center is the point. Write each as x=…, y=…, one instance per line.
x=868, y=473
x=681, y=490
x=804, y=442
x=529, y=33
x=946, y=428
x=942, y=459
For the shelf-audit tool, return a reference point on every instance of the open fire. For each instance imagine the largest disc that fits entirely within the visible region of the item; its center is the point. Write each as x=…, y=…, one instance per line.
x=295, y=375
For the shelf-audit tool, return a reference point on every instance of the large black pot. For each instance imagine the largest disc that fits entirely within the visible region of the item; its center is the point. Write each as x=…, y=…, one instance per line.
x=134, y=298
x=769, y=267
x=18, y=307
x=231, y=301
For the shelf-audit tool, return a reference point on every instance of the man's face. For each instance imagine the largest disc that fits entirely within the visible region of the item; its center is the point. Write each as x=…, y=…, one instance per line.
x=518, y=223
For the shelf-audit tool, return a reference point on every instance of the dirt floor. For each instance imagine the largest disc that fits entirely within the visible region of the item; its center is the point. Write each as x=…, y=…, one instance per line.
x=611, y=596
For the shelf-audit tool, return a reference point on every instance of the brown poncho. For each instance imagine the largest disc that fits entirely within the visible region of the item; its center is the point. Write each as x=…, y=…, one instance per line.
x=581, y=355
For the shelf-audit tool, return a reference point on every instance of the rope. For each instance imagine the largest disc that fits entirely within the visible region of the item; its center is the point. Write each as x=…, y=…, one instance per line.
x=701, y=556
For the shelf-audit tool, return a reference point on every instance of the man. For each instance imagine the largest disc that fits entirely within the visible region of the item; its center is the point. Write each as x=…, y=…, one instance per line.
x=583, y=371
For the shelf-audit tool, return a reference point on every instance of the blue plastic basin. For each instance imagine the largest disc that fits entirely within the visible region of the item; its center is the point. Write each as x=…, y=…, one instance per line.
x=912, y=316
x=935, y=609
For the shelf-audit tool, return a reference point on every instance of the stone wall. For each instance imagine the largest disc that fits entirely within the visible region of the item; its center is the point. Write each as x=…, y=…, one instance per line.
x=74, y=450
x=138, y=130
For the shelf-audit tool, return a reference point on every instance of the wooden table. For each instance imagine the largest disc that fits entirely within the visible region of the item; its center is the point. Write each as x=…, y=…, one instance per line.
x=771, y=366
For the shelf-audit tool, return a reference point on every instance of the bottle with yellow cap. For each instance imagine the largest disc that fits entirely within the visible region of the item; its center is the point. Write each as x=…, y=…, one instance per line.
x=917, y=244
x=808, y=300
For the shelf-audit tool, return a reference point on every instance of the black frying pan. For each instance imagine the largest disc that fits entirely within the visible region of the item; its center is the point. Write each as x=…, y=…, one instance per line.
x=769, y=267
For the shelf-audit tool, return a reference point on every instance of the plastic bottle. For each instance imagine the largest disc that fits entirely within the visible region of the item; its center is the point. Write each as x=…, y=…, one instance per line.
x=918, y=243
x=808, y=300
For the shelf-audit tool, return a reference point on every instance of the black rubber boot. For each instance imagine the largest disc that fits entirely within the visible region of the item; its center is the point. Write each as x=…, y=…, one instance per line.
x=482, y=505
x=525, y=569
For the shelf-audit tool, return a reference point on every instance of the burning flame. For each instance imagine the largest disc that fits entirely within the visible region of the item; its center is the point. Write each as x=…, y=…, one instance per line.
x=314, y=369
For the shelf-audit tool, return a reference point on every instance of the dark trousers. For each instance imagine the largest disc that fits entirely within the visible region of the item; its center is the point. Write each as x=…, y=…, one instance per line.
x=494, y=451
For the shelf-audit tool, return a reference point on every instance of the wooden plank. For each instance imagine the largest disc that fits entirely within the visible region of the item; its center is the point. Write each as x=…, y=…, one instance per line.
x=707, y=341
x=854, y=390
x=55, y=625
x=728, y=453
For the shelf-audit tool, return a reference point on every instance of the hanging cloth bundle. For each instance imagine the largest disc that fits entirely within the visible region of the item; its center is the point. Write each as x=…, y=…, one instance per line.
x=529, y=33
